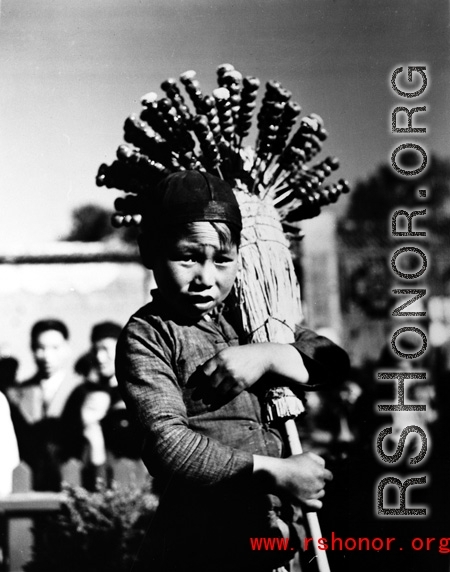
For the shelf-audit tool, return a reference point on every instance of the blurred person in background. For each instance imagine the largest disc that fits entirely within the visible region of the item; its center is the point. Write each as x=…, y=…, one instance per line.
x=334, y=417
x=8, y=373
x=96, y=417
x=40, y=401
x=9, y=451
x=416, y=391
x=8, y=384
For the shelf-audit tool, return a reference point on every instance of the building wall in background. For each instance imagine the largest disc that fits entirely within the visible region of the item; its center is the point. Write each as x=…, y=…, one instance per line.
x=320, y=277
x=347, y=290
x=80, y=294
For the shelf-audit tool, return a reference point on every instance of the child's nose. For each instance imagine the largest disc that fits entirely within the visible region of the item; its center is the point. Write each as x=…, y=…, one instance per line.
x=206, y=272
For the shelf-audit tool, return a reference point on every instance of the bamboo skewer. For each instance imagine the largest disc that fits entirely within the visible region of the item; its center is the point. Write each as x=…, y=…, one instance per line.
x=206, y=132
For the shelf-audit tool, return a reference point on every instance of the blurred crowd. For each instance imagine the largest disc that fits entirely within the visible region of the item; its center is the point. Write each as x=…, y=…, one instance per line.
x=64, y=411
x=343, y=426
x=68, y=411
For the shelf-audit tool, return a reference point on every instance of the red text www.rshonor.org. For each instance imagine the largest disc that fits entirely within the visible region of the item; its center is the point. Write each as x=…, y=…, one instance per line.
x=442, y=545
x=263, y=543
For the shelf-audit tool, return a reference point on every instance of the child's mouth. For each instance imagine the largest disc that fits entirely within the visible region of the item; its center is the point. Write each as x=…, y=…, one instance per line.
x=201, y=299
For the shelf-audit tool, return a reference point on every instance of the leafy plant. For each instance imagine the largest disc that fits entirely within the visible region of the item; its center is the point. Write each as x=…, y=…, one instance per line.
x=97, y=531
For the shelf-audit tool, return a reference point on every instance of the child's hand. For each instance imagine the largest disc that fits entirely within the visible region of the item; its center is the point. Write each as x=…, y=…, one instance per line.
x=237, y=368
x=301, y=477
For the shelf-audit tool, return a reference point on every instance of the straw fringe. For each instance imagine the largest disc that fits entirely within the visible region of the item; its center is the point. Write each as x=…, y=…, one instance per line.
x=282, y=403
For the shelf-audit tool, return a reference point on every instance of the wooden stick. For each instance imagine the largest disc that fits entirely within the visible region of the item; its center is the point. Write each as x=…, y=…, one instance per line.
x=295, y=448
x=283, y=405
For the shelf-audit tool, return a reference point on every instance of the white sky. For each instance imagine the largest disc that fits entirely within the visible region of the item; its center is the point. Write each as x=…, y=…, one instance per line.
x=71, y=71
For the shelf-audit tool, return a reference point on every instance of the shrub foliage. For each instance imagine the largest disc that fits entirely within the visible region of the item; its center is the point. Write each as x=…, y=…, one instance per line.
x=97, y=531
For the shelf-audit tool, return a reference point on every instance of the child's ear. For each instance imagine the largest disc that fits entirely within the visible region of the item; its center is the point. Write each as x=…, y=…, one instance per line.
x=145, y=251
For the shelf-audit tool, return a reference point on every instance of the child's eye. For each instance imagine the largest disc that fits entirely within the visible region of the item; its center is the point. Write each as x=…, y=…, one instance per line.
x=183, y=256
x=223, y=260
x=187, y=259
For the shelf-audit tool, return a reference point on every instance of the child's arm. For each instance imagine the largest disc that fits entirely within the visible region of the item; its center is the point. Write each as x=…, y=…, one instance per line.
x=175, y=451
x=311, y=360
x=237, y=368
x=150, y=389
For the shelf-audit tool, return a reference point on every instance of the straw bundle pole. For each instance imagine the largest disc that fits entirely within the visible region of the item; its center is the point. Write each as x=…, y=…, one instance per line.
x=266, y=284
x=270, y=305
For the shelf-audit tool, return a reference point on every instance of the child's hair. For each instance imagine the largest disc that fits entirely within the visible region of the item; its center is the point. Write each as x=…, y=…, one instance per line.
x=154, y=241
x=228, y=234
x=182, y=199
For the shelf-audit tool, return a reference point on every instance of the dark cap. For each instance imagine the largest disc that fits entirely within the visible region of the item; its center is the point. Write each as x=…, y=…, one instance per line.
x=105, y=330
x=47, y=325
x=194, y=196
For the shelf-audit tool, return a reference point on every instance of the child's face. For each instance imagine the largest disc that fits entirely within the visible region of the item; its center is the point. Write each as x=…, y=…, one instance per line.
x=195, y=272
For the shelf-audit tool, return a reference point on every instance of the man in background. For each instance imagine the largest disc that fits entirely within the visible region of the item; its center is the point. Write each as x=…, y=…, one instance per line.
x=96, y=415
x=41, y=400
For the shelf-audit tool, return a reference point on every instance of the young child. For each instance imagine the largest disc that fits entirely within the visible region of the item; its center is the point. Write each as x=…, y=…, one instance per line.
x=198, y=394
